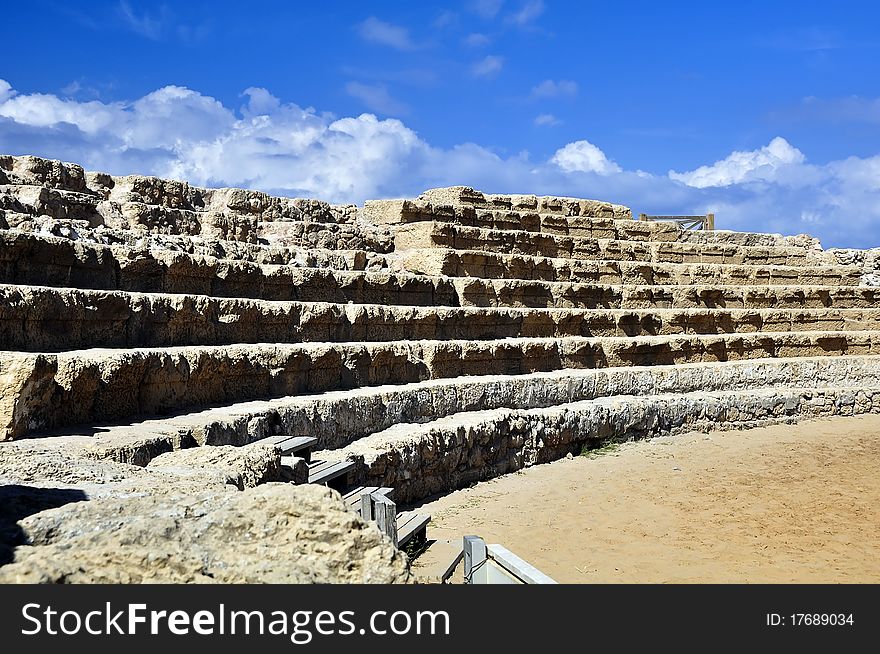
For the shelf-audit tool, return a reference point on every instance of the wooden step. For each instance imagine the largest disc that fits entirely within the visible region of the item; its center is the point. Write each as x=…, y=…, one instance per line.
x=330, y=473
x=301, y=445
x=411, y=525
x=353, y=497
x=366, y=507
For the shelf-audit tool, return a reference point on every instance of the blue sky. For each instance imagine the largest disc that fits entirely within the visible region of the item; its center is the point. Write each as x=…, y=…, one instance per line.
x=766, y=112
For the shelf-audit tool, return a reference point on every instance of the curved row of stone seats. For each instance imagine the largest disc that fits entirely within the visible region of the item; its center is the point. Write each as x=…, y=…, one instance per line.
x=340, y=418
x=115, y=222
x=50, y=390
x=536, y=294
x=402, y=212
x=136, y=244
x=49, y=261
x=758, y=239
x=493, y=265
x=39, y=318
x=458, y=450
x=556, y=216
x=311, y=256
x=36, y=259
x=132, y=244
x=428, y=234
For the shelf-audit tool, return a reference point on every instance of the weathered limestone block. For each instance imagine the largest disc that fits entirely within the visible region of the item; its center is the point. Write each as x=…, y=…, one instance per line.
x=457, y=195
x=526, y=293
x=749, y=238
x=390, y=212
x=295, y=470
x=64, y=191
x=35, y=171
x=237, y=200
x=167, y=193
x=100, y=184
x=276, y=533
x=454, y=195
x=867, y=260
x=11, y=203
x=452, y=452
x=589, y=219
x=43, y=260
x=139, y=215
x=24, y=386
x=49, y=202
x=331, y=236
x=338, y=419
x=243, y=467
x=218, y=225
x=63, y=463
x=269, y=209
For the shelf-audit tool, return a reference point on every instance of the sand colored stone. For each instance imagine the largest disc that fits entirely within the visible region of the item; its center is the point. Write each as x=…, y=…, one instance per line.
x=277, y=533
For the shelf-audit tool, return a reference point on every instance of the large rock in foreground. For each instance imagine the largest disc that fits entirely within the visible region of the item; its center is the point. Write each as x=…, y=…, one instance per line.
x=276, y=533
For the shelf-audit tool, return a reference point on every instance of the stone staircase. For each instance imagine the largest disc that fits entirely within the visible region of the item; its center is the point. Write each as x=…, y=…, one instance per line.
x=426, y=344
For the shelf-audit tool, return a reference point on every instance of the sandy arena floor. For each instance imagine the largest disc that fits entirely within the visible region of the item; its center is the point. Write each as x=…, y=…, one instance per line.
x=777, y=504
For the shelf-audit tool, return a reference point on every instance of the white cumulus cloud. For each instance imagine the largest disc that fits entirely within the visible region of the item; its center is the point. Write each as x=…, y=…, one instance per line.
x=6, y=91
x=763, y=164
x=584, y=157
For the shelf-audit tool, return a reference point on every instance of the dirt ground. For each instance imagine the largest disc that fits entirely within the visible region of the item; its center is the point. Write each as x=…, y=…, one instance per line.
x=781, y=504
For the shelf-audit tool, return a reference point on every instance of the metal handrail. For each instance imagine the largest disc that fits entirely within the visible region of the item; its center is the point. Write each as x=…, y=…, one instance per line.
x=704, y=223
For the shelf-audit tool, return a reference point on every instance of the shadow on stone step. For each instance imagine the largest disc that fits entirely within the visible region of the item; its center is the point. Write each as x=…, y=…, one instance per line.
x=18, y=502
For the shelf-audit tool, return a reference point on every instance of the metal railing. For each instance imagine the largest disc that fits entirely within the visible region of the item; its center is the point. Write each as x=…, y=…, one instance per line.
x=704, y=223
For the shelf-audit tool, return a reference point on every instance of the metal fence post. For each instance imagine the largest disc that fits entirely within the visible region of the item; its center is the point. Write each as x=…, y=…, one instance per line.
x=475, y=560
